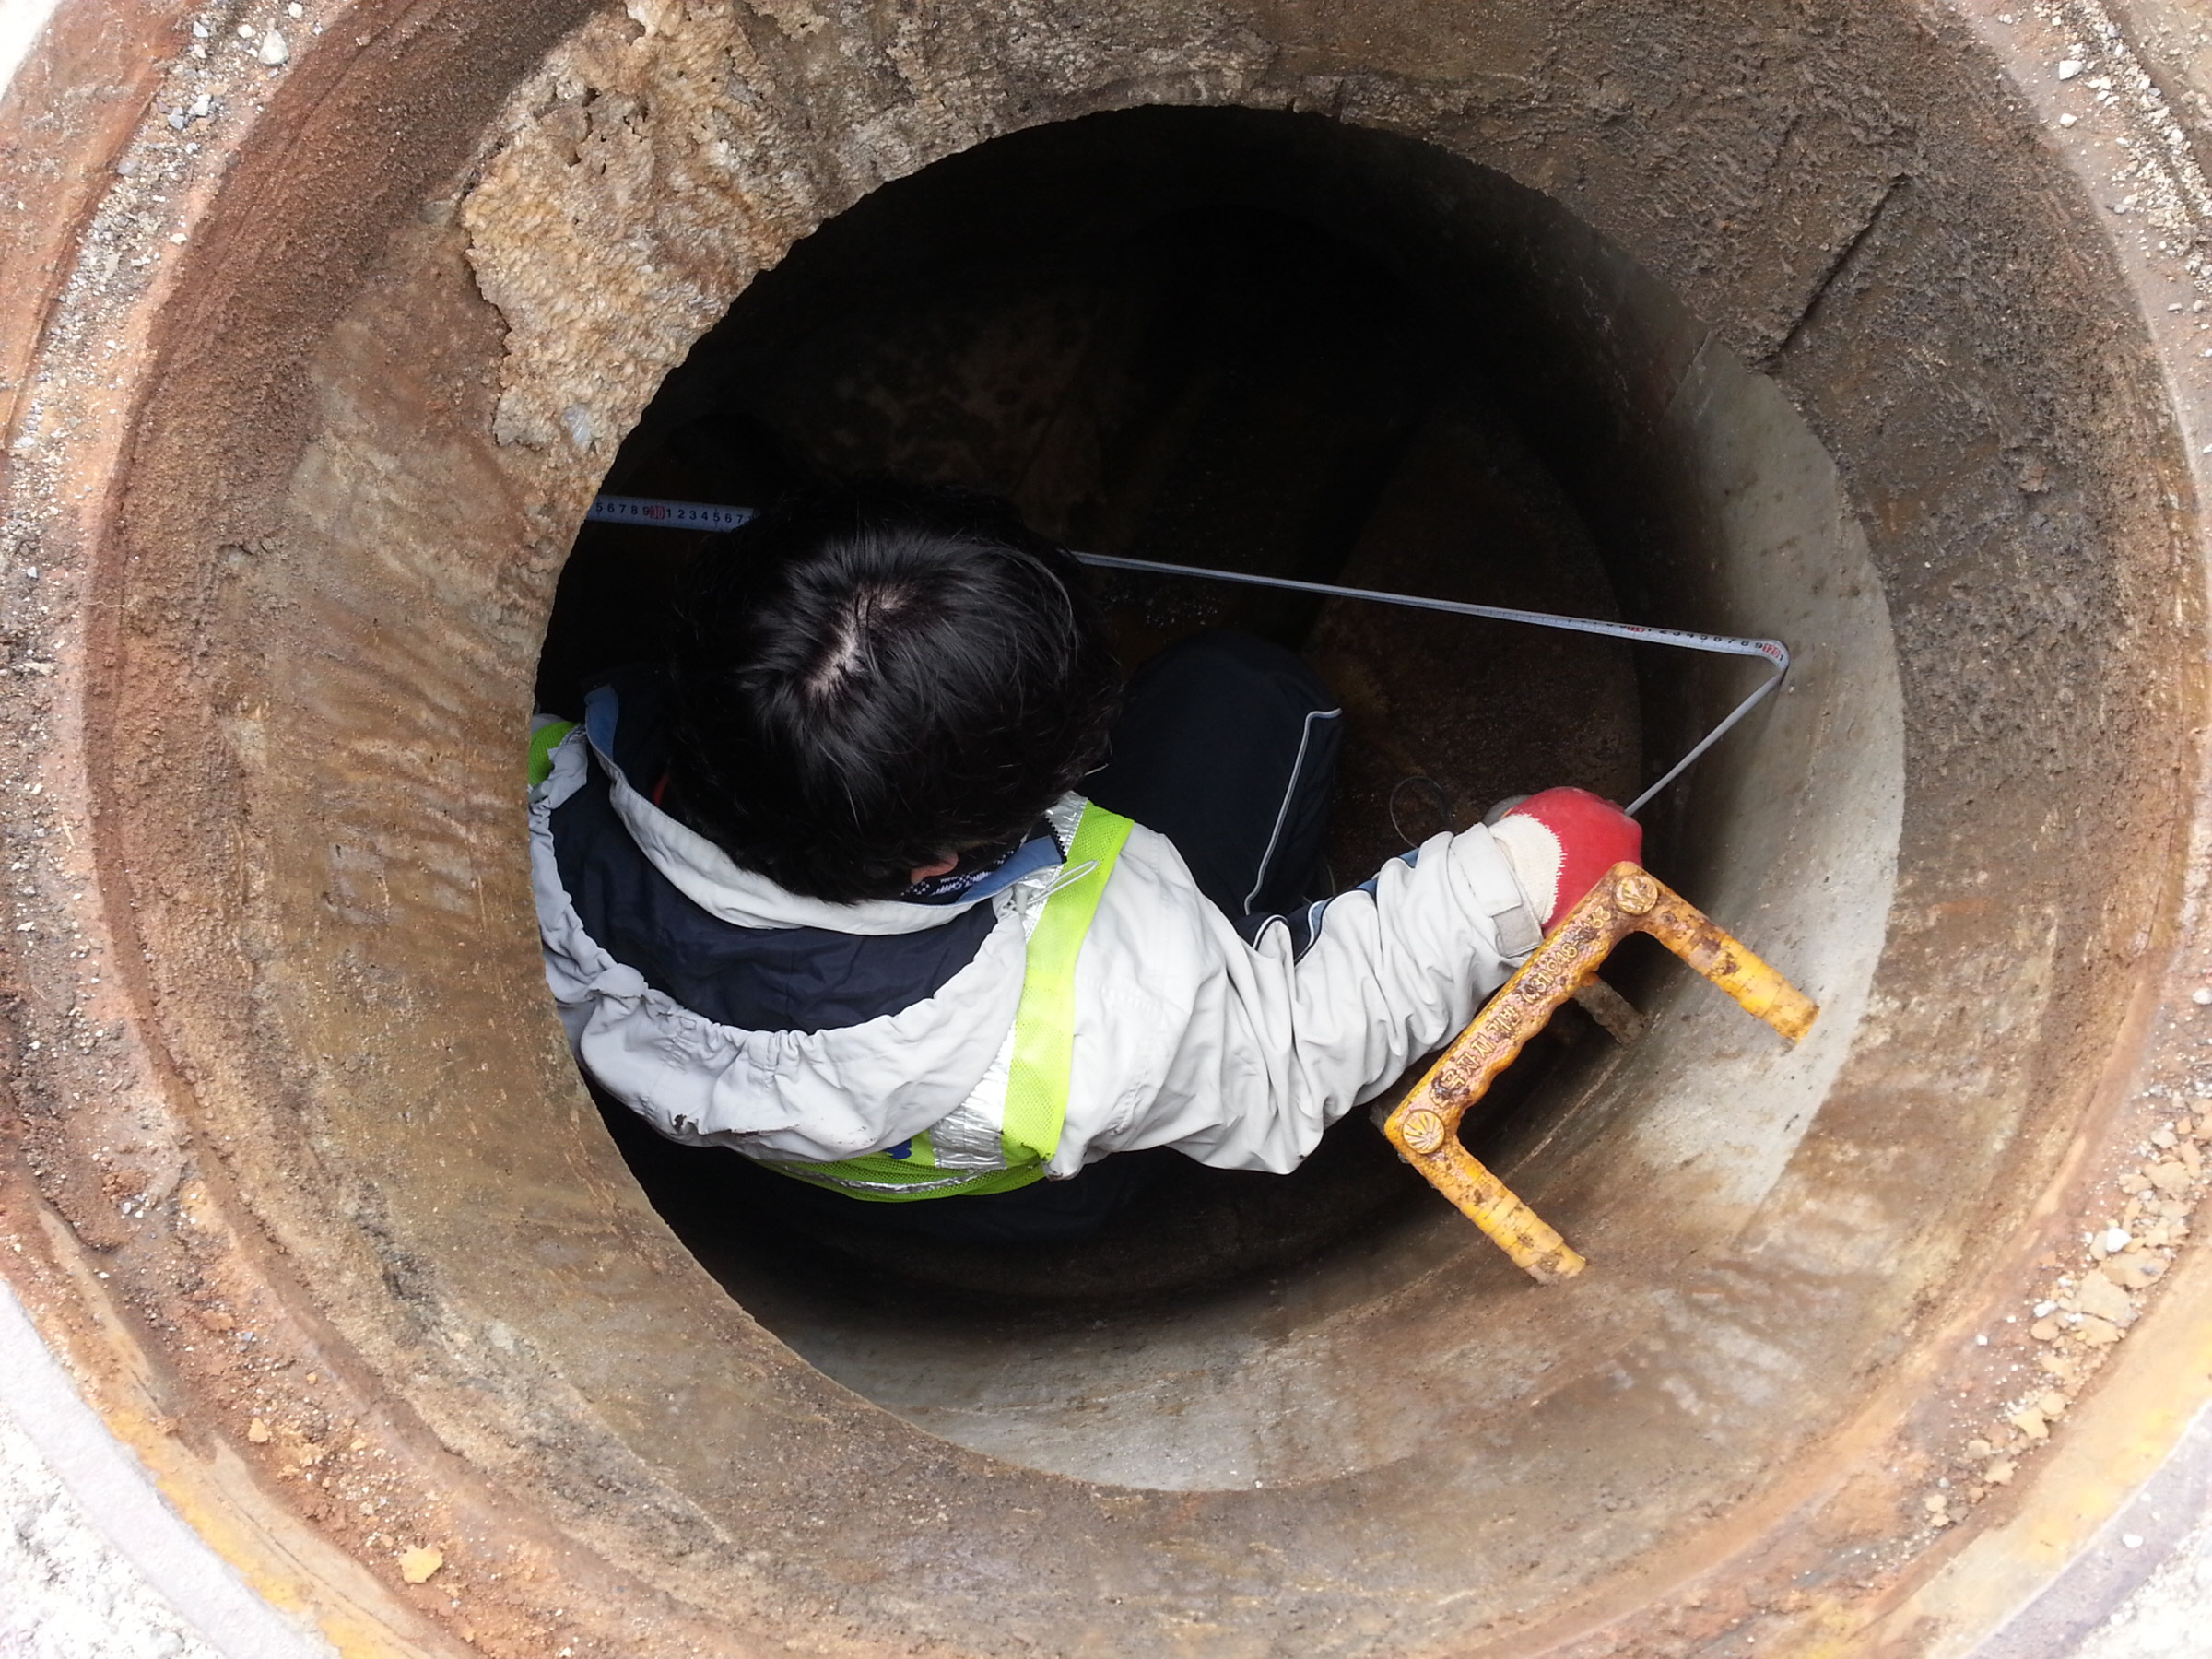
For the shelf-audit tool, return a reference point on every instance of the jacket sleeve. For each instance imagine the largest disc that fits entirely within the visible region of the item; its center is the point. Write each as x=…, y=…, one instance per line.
x=1240, y=1054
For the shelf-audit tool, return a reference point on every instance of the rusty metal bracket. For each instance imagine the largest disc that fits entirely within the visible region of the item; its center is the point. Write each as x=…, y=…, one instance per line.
x=1424, y=1126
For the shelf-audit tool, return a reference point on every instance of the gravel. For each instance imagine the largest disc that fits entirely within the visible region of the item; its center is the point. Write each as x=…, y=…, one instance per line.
x=66, y=1593
x=2165, y=1619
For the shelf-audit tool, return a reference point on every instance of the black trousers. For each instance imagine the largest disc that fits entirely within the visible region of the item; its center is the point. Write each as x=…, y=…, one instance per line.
x=1226, y=745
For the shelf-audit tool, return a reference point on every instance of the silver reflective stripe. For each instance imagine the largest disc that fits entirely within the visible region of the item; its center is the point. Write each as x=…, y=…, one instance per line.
x=816, y=1175
x=969, y=1138
x=1065, y=815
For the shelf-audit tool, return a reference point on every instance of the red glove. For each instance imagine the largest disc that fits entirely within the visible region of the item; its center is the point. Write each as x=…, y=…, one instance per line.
x=1562, y=842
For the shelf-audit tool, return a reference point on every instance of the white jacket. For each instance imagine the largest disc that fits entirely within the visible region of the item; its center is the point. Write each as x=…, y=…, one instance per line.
x=1185, y=1036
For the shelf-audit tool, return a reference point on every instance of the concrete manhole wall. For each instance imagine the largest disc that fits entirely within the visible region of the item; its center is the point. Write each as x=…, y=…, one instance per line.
x=1069, y=281
x=309, y=1192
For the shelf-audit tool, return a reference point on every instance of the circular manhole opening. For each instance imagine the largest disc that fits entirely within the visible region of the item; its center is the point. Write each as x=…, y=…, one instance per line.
x=1271, y=344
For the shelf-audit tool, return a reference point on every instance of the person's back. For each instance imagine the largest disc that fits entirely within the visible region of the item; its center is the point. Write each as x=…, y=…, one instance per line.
x=822, y=890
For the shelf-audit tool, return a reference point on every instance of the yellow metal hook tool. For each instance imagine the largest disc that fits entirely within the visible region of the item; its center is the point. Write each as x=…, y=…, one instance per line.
x=1424, y=1126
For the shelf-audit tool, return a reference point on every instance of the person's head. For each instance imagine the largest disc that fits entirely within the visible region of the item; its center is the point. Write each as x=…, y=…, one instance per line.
x=871, y=681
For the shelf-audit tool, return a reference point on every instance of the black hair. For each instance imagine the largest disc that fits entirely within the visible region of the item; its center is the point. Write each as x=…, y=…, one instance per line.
x=872, y=679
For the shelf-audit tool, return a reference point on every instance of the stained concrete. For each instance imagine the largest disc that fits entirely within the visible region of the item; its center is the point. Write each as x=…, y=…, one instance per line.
x=295, y=1086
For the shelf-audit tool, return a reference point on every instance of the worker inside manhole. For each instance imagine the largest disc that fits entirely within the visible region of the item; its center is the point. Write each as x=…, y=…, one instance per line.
x=915, y=1012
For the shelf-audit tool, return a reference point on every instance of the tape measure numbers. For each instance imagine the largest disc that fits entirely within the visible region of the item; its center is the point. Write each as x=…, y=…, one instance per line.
x=665, y=515
x=696, y=515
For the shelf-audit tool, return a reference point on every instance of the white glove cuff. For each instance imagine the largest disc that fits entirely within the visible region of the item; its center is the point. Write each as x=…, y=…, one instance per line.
x=1495, y=886
x=1534, y=855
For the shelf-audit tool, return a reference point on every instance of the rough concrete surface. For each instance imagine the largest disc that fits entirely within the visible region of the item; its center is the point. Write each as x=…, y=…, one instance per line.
x=66, y=1592
x=2165, y=1616
x=285, y=1075
x=93, y=1558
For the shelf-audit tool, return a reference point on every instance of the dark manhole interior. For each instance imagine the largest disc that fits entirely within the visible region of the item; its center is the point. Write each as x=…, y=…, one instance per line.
x=1238, y=339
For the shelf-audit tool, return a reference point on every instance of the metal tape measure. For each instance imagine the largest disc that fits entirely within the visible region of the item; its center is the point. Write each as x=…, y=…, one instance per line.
x=700, y=515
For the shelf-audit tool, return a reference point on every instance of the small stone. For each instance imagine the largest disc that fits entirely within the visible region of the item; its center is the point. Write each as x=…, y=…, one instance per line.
x=2051, y=1404
x=2135, y=1270
x=245, y=31
x=2134, y=1182
x=2031, y=1423
x=2201, y=996
x=2001, y=1472
x=2115, y=1240
x=2099, y=1295
x=258, y=1433
x=2070, y=68
x=2171, y=1176
x=2045, y=1330
x=2068, y=121
x=1936, y=1502
x=1979, y=1448
x=272, y=49
x=2133, y=1540
x=2192, y=1159
x=2165, y=1138
x=2096, y=1331
x=417, y=1566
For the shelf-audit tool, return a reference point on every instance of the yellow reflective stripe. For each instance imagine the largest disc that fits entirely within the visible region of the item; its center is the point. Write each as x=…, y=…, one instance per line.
x=862, y=1178
x=1044, y=1026
x=543, y=742
x=1042, y=1064
x=917, y=1165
